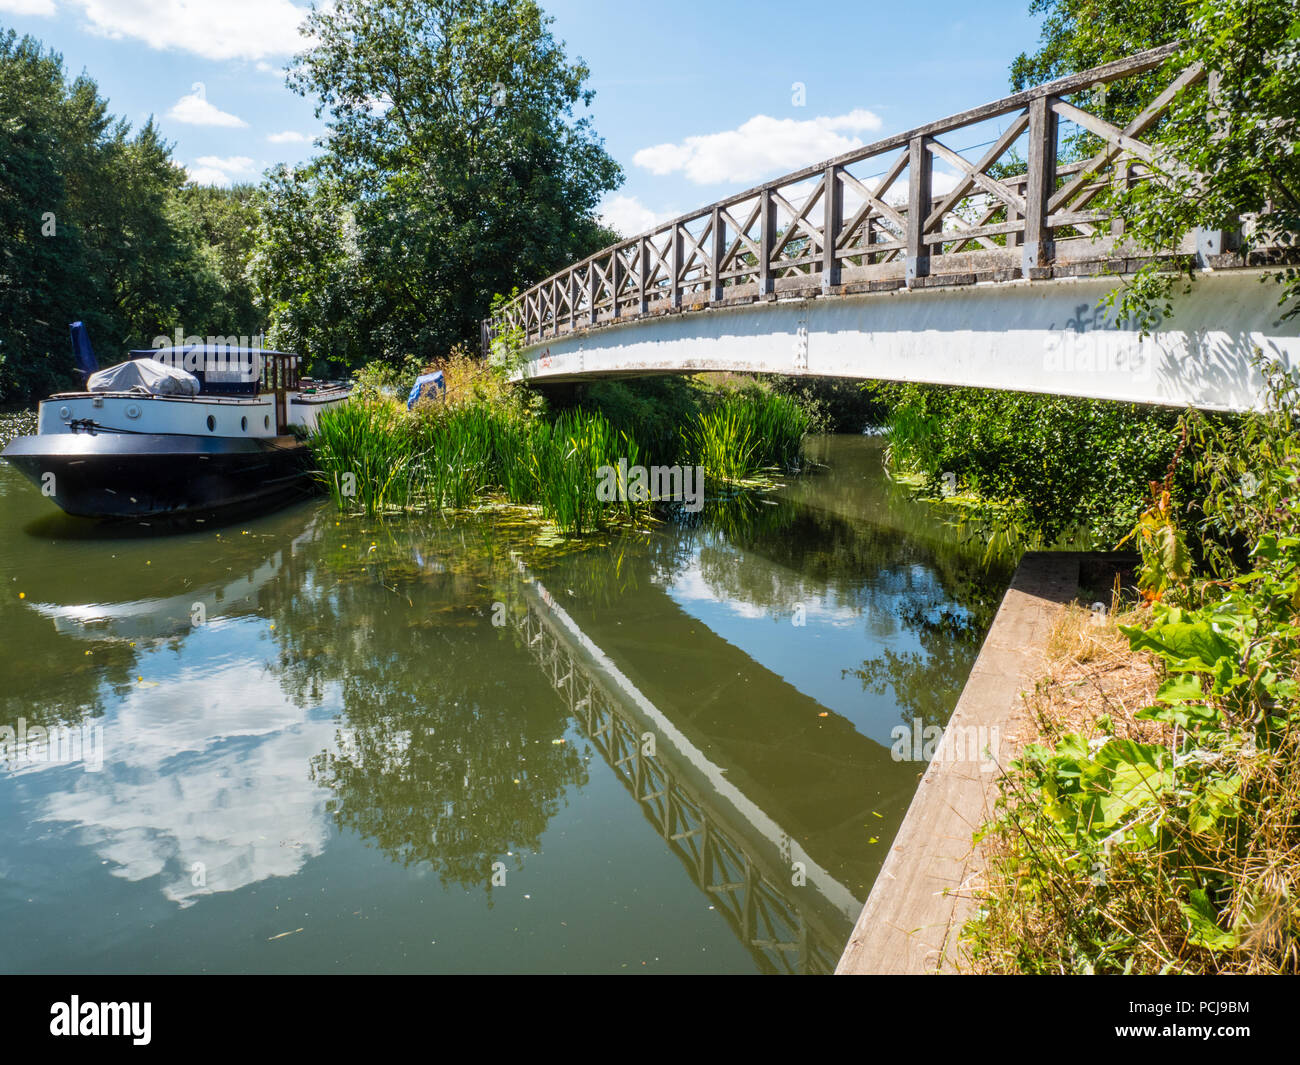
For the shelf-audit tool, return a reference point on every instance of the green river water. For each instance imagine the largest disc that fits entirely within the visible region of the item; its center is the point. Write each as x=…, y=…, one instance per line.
x=308, y=743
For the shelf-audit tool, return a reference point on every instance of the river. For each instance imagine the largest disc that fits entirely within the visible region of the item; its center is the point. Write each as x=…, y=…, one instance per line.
x=312, y=743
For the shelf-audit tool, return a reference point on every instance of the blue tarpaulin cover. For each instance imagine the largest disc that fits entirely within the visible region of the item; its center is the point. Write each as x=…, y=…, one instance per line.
x=87, y=364
x=425, y=385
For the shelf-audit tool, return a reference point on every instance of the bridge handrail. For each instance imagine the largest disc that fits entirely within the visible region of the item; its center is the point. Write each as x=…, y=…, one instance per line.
x=668, y=267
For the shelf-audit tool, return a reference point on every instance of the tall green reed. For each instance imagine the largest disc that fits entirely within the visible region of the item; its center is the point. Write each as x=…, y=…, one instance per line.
x=746, y=432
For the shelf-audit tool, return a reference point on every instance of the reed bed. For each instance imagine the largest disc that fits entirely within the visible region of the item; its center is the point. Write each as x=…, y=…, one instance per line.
x=746, y=432
x=375, y=457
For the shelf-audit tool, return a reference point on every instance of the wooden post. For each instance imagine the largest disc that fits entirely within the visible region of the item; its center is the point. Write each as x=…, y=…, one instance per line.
x=766, y=241
x=1038, y=250
x=643, y=271
x=1120, y=179
x=591, y=291
x=1014, y=239
x=719, y=249
x=615, y=280
x=676, y=252
x=832, y=222
x=1212, y=242
x=920, y=171
x=572, y=290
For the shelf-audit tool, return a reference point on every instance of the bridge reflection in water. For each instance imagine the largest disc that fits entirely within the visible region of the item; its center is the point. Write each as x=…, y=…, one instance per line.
x=790, y=913
x=341, y=691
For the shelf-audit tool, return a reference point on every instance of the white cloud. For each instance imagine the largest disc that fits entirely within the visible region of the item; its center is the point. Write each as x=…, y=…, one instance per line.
x=27, y=7
x=231, y=164
x=194, y=110
x=759, y=148
x=231, y=29
x=289, y=136
x=215, y=170
x=629, y=216
x=208, y=175
x=244, y=805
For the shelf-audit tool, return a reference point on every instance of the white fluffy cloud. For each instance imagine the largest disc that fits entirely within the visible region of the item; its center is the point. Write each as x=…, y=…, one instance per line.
x=629, y=216
x=231, y=29
x=207, y=175
x=232, y=164
x=216, y=170
x=27, y=7
x=289, y=136
x=759, y=148
x=194, y=110
x=244, y=805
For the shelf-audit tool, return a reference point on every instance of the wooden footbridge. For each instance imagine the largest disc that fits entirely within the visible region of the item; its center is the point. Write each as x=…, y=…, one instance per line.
x=859, y=266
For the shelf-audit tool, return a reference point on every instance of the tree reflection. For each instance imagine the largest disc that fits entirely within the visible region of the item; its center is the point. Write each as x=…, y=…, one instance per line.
x=446, y=748
x=943, y=597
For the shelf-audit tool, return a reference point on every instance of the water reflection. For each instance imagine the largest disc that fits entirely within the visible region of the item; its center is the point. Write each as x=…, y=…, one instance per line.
x=788, y=910
x=270, y=693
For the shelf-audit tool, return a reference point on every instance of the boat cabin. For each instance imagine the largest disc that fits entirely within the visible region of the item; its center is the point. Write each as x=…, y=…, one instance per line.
x=198, y=390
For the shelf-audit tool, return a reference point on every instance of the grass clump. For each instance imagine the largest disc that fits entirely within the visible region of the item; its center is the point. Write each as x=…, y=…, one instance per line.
x=486, y=437
x=481, y=442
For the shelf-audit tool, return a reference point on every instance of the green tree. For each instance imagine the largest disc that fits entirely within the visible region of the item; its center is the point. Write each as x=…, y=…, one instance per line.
x=97, y=224
x=456, y=167
x=1226, y=152
x=223, y=225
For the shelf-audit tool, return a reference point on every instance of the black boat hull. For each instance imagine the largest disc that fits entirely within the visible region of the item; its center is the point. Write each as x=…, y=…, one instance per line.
x=139, y=475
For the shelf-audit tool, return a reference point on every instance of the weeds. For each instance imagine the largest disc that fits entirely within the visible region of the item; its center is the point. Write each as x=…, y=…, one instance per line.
x=1174, y=847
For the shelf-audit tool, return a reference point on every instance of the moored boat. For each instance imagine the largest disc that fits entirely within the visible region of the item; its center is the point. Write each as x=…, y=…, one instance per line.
x=177, y=432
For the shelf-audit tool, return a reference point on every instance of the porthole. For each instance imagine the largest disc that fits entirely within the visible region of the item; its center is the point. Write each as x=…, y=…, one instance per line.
x=64, y=413
x=243, y=424
x=266, y=421
x=132, y=411
x=212, y=424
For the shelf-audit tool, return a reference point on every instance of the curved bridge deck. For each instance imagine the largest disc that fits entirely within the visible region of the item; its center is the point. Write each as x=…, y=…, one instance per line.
x=877, y=265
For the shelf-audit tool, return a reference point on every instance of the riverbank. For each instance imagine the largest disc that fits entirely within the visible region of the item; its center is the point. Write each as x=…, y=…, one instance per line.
x=1023, y=689
x=1152, y=826
x=1142, y=818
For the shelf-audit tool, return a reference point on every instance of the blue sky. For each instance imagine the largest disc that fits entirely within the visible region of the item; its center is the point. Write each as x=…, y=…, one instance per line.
x=695, y=100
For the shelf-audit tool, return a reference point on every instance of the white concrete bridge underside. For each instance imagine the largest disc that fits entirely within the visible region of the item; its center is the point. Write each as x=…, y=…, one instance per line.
x=1044, y=336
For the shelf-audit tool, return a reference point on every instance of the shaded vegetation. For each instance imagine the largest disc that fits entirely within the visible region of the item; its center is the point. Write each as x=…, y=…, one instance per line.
x=1053, y=465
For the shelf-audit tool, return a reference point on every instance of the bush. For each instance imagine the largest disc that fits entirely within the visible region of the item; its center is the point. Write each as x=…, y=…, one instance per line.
x=1060, y=464
x=833, y=404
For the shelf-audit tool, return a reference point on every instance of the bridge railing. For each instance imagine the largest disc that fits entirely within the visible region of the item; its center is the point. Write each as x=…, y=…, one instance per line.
x=873, y=219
